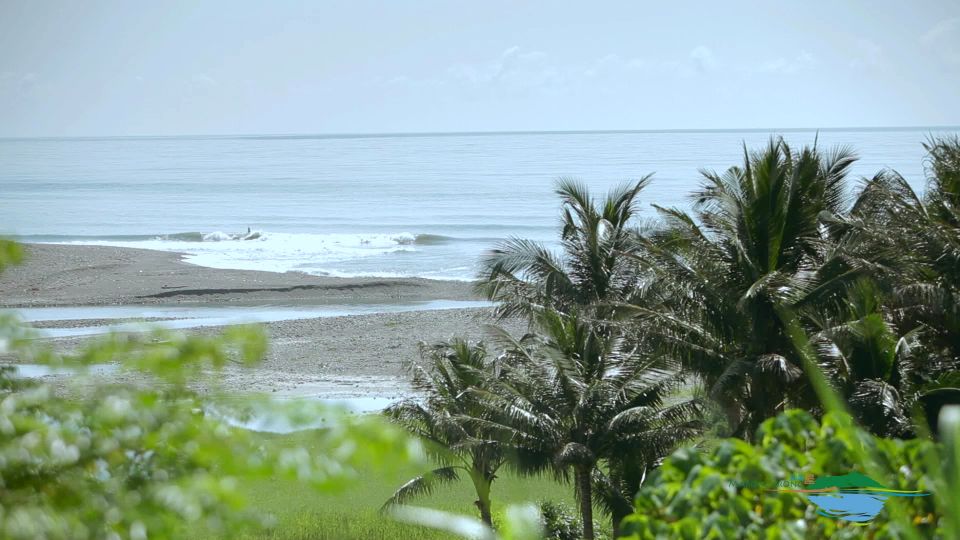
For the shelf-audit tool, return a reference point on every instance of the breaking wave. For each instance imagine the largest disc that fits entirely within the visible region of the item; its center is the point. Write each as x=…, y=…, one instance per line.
x=403, y=238
x=333, y=254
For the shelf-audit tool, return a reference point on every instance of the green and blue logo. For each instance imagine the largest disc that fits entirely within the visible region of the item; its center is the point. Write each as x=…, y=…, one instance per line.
x=850, y=497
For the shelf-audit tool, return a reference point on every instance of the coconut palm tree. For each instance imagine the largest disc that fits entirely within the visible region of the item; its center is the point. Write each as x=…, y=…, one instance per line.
x=870, y=364
x=578, y=400
x=591, y=268
x=572, y=297
x=453, y=369
x=924, y=234
x=919, y=236
x=760, y=237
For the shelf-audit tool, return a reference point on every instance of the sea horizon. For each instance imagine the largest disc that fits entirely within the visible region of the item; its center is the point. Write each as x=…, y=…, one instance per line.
x=480, y=133
x=371, y=205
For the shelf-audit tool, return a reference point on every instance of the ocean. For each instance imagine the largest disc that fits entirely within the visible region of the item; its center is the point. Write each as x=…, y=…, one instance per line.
x=377, y=205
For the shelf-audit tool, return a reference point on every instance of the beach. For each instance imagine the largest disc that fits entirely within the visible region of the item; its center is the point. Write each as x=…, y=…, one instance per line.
x=71, y=275
x=325, y=356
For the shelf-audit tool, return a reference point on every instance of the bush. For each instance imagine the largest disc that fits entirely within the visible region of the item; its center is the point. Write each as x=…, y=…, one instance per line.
x=731, y=491
x=559, y=522
x=111, y=461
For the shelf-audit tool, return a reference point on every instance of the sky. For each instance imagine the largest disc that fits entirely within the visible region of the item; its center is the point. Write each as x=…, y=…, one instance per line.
x=98, y=68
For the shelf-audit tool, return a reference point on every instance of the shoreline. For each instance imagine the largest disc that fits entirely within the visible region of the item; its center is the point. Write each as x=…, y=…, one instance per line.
x=62, y=275
x=330, y=358
x=362, y=355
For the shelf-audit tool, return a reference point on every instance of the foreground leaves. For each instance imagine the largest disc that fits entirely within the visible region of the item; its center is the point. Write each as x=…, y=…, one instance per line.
x=95, y=460
x=731, y=492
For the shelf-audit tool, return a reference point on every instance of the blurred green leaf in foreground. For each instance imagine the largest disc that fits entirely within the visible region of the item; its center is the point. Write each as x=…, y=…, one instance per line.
x=90, y=459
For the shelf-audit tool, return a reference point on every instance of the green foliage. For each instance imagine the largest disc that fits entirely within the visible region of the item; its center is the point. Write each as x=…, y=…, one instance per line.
x=113, y=461
x=947, y=485
x=593, y=268
x=559, y=523
x=578, y=398
x=584, y=392
x=730, y=492
x=452, y=371
x=758, y=239
x=771, y=254
x=918, y=239
x=10, y=253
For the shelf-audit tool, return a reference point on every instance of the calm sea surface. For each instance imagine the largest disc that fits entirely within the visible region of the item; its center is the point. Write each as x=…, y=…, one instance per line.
x=424, y=205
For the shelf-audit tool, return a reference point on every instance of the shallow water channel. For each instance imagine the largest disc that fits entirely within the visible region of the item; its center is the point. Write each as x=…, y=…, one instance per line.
x=180, y=317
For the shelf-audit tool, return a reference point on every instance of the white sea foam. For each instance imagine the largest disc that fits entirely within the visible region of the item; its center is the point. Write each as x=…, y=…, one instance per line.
x=218, y=236
x=333, y=254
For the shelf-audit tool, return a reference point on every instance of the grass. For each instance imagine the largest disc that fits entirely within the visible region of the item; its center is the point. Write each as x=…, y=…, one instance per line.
x=303, y=513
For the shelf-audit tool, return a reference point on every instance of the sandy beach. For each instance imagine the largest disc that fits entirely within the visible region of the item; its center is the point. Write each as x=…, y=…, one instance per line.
x=69, y=275
x=329, y=357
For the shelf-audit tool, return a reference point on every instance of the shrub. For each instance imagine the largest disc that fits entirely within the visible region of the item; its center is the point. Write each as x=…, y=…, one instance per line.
x=731, y=491
x=559, y=522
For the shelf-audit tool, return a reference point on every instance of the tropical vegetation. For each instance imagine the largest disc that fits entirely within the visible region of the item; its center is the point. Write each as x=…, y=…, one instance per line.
x=645, y=337
x=454, y=369
x=732, y=491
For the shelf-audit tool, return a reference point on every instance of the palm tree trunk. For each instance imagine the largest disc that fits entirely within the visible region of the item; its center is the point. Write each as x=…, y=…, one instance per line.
x=585, y=488
x=483, y=504
x=616, y=478
x=482, y=487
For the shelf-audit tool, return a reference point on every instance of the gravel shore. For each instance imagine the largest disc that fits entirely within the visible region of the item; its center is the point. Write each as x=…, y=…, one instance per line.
x=330, y=357
x=68, y=275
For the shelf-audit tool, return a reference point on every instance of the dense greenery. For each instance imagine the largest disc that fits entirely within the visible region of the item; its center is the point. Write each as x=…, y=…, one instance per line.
x=873, y=283
x=780, y=274
x=731, y=492
x=758, y=240
x=109, y=461
x=580, y=402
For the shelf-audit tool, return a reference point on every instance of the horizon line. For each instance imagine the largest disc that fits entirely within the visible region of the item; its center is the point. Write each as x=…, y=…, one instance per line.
x=371, y=135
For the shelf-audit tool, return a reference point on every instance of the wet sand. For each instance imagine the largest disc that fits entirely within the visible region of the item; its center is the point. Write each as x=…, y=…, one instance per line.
x=66, y=275
x=330, y=357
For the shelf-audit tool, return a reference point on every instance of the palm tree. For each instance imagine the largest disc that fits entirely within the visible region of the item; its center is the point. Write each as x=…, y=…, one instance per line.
x=454, y=368
x=578, y=398
x=870, y=364
x=574, y=298
x=524, y=276
x=760, y=237
x=923, y=232
x=920, y=238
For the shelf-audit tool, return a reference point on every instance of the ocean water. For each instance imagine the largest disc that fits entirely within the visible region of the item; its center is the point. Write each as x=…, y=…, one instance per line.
x=386, y=205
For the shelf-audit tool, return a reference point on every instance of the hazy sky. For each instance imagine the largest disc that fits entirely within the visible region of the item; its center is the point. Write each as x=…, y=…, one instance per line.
x=206, y=67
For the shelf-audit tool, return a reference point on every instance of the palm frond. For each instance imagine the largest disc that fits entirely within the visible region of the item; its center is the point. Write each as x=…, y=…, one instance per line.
x=422, y=486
